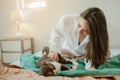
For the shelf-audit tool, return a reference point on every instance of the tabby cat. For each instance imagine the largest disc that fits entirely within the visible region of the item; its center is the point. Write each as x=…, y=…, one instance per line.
x=49, y=67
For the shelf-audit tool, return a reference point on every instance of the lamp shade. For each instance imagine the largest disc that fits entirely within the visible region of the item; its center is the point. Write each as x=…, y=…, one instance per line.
x=15, y=16
x=17, y=19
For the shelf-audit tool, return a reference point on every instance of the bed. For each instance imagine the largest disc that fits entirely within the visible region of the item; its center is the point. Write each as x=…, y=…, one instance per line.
x=114, y=51
x=13, y=73
x=7, y=73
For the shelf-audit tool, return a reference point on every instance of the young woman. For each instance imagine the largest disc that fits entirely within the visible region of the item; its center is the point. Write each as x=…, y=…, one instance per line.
x=82, y=35
x=98, y=45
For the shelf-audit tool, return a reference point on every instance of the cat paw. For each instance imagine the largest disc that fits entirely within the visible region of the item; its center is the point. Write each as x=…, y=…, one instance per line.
x=74, y=67
x=88, y=65
x=75, y=63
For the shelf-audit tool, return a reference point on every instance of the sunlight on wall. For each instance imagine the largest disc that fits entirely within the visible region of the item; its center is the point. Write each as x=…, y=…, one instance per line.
x=26, y=8
x=33, y=3
x=36, y=4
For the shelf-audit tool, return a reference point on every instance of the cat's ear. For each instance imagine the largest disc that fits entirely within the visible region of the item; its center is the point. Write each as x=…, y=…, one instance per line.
x=46, y=49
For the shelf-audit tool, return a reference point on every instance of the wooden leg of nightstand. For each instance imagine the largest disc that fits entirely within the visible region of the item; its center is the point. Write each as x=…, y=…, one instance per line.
x=1, y=56
x=32, y=45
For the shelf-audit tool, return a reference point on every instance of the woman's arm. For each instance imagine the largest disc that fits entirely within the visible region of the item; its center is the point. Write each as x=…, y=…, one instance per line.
x=57, y=39
x=57, y=36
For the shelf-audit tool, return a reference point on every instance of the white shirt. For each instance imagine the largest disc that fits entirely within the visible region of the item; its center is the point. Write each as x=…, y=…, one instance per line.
x=65, y=36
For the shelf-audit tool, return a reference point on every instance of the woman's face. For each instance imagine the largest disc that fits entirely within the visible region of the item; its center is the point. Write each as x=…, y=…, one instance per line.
x=83, y=28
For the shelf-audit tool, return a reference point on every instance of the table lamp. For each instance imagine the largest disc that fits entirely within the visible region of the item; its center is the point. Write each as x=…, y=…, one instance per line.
x=16, y=17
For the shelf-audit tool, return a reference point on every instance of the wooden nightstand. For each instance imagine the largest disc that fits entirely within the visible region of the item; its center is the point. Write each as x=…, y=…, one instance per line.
x=11, y=49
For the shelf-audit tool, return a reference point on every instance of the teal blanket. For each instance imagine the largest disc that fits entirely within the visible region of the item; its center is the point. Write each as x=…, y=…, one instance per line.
x=111, y=67
x=29, y=62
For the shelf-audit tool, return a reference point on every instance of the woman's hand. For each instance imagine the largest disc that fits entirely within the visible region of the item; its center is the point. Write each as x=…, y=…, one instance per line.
x=53, y=55
x=66, y=53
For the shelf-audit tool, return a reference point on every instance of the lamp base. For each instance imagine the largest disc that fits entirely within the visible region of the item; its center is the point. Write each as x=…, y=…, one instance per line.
x=19, y=35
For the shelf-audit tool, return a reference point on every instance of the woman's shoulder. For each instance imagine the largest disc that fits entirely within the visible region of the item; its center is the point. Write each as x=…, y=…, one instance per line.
x=70, y=16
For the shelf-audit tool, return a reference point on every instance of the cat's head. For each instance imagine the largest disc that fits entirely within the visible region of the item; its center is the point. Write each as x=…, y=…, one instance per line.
x=47, y=69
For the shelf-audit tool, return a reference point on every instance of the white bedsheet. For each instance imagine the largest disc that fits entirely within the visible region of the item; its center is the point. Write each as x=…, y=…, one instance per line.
x=17, y=62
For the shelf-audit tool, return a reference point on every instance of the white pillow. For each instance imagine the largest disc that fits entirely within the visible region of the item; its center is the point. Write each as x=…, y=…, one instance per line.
x=114, y=51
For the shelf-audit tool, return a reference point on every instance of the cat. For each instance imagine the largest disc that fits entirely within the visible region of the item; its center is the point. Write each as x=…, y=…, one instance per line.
x=49, y=67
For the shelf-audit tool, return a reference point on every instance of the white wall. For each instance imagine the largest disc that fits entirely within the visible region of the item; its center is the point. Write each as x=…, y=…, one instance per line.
x=40, y=21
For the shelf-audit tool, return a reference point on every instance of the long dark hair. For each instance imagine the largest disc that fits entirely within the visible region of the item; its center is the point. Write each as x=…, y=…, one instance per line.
x=98, y=44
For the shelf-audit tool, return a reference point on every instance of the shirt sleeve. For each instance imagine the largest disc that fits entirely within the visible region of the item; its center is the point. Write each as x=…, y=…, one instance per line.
x=62, y=35
x=57, y=36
